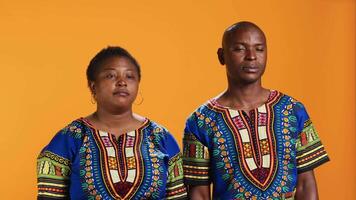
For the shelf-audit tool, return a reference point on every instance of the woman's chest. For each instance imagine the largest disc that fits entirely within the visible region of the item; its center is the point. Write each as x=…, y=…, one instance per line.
x=128, y=167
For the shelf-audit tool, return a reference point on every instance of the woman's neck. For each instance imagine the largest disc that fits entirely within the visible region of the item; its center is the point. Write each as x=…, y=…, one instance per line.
x=113, y=120
x=115, y=123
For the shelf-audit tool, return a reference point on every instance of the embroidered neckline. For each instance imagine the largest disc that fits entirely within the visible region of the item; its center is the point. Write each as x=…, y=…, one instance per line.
x=255, y=140
x=143, y=125
x=121, y=160
x=271, y=98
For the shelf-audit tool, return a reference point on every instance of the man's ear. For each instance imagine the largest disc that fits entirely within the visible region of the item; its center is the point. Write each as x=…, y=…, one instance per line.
x=221, y=56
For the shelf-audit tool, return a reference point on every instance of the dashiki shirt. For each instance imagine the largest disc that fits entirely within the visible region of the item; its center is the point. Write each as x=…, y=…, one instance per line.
x=82, y=162
x=255, y=156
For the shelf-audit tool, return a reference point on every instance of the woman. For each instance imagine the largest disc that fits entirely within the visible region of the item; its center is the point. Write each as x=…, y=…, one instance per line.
x=112, y=153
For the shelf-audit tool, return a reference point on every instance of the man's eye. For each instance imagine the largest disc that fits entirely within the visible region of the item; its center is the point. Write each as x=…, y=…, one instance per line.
x=260, y=48
x=239, y=49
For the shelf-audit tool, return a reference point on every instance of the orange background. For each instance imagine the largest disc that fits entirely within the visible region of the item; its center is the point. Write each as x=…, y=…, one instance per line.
x=46, y=46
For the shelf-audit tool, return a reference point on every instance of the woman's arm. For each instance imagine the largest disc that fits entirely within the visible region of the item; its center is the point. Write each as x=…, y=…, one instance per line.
x=54, y=164
x=306, y=186
x=201, y=192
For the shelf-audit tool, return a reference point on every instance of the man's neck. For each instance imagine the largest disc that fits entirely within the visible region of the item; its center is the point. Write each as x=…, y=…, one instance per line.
x=244, y=96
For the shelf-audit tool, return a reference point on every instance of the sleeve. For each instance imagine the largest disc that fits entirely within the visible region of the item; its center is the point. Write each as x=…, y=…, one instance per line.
x=54, y=164
x=175, y=185
x=196, y=159
x=310, y=150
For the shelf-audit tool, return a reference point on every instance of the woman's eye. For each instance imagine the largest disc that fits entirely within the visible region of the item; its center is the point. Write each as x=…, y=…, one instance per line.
x=109, y=76
x=129, y=76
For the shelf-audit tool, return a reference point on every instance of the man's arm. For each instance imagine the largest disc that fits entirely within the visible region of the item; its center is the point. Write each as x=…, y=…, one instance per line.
x=306, y=186
x=201, y=192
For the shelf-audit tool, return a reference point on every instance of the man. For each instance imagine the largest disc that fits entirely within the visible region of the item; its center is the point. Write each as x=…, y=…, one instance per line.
x=250, y=142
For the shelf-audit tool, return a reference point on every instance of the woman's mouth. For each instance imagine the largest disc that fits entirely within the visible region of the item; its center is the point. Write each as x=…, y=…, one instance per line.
x=121, y=93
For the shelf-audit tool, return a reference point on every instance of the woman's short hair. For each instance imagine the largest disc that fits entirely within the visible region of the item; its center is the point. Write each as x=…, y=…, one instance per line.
x=110, y=51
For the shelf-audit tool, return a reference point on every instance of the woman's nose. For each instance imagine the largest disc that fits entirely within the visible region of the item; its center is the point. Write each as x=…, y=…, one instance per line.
x=121, y=82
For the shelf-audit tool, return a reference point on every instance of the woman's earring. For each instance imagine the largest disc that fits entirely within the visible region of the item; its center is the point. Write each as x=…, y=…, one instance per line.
x=93, y=100
x=140, y=102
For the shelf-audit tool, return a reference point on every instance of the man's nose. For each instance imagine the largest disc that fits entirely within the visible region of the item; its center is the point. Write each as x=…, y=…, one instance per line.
x=250, y=54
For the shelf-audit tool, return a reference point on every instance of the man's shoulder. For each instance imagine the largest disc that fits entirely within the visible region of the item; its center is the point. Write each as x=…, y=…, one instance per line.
x=206, y=107
x=290, y=100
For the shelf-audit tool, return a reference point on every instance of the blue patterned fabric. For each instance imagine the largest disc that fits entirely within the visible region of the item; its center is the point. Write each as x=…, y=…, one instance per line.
x=84, y=163
x=251, y=156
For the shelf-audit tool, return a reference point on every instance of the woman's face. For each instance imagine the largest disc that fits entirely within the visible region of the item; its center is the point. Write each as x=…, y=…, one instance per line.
x=116, y=84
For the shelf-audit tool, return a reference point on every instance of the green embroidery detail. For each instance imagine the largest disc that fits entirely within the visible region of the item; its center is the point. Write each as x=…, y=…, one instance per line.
x=50, y=165
x=73, y=131
x=175, y=162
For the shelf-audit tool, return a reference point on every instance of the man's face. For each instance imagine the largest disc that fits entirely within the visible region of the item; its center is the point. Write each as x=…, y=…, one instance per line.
x=244, y=53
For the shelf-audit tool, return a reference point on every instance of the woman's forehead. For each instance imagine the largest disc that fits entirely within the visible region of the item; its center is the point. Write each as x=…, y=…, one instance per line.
x=117, y=62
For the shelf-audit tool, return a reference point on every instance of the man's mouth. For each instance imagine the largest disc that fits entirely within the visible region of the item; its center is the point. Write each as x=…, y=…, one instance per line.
x=250, y=69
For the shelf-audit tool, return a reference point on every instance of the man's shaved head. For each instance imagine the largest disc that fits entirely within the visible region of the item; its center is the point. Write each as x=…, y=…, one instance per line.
x=239, y=26
x=243, y=52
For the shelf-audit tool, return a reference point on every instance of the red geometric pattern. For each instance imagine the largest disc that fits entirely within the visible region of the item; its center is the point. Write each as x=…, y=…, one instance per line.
x=262, y=119
x=238, y=122
x=106, y=141
x=130, y=141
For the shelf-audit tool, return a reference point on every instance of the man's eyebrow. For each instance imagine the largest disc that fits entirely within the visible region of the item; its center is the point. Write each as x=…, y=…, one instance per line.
x=244, y=43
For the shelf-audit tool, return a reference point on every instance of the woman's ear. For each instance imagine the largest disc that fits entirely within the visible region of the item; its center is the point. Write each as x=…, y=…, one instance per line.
x=92, y=87
x=221, y=56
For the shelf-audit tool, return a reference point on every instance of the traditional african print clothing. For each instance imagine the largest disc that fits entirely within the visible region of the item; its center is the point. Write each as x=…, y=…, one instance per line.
x=255, y=156
x=82, y=162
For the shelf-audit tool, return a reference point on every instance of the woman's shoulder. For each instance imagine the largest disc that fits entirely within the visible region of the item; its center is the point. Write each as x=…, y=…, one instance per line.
x=156, y=128
x=158, y=134
x=67, y=140
x=158, y=131
x=76, y=129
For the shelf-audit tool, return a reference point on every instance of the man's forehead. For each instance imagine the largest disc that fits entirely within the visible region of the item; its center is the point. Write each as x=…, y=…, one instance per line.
x=242, y=25
x=250, y=32
x=234, y=32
